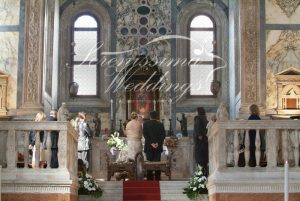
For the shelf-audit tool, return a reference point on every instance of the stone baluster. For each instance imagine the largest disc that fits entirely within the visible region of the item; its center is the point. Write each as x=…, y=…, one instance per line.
x=247, y=151
x=296, y=145
x=236, y=145
x=73, y=158
x=26, y=149
x=11, y=149
x=257, y=149
x=37, y=149
x=285, y=145
x=271, y=148
x=62, y=147
x=49, y=152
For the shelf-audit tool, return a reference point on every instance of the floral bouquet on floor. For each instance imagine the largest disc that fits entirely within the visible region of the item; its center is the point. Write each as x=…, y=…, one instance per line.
x=88, y=186
x=197, y=184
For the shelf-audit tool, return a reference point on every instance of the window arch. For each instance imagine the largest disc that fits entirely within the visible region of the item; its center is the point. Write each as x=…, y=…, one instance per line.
x=201, y=54
x=85, y=53
x=217, y=15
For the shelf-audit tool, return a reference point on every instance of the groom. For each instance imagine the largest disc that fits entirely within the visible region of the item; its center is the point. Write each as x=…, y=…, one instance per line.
x=154, y=134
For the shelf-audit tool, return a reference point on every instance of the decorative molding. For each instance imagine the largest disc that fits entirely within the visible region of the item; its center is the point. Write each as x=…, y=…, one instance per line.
x=250, y=42
x=33, y=55
x=39, y=188
x=287, y=6
x=282, y=55
x=257, y=187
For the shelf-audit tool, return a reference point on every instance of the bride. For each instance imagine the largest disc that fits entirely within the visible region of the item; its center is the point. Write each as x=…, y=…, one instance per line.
x=134, y=135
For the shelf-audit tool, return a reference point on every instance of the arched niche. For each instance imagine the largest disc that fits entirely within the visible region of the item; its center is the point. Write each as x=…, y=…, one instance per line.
x=142, y=81
x=288, y=91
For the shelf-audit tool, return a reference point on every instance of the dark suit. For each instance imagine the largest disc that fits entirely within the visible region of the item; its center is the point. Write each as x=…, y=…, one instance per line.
x=154, y=132
x=252, y=136
x=54, y=145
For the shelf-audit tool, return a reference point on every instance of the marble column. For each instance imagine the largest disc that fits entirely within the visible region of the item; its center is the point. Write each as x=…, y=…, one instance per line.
x=33, y=61
x=250, y=46
x=55, y=56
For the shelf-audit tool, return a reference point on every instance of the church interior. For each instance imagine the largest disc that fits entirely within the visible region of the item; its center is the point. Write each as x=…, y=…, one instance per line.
x=108, y=58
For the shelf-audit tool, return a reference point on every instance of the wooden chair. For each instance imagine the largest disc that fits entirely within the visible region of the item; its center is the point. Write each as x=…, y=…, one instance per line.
x=143, y=166
x=127, y=169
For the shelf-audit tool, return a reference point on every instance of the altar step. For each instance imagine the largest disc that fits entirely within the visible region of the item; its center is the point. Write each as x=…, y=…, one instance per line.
x=141, y=190
x=169, y=191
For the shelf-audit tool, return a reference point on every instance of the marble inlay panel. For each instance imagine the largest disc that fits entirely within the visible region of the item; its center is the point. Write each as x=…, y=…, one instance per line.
x=282, y=11
x=139, y=23
x=282, y=53
x=9, y=12
x=9, y=62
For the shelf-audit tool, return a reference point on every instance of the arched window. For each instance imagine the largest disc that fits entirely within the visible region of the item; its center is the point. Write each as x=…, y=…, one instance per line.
x=201, y=55
x=85, y=54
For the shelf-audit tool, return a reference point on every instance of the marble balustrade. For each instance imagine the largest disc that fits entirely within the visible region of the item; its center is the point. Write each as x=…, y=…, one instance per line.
x=18, y=177
x=282, y=143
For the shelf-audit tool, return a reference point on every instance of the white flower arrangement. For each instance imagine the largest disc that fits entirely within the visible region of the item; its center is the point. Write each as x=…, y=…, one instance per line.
x=197, y=184
x=88, y=186
x=115, y=142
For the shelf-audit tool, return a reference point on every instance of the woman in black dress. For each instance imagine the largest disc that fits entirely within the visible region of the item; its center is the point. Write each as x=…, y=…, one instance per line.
x=200, y=138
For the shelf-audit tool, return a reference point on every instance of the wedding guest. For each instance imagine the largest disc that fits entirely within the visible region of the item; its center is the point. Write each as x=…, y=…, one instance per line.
x=40, y=116
x=200, y=138
x=84, y=133
x=254, y=115
x=54, y=140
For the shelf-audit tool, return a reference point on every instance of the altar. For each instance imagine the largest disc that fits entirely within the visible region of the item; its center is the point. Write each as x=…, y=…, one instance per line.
x=181, y=163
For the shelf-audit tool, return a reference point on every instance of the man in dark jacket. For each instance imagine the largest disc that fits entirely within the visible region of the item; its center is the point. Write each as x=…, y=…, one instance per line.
x=54, y=141
x=154, y=134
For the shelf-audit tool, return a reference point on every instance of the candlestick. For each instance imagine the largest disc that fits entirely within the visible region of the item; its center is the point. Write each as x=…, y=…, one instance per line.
x=286, y=181
x=128, y=108
x=170, y=133
x=154, y=105
x=111, y=109
x=162, y=109
x=120, y=109
x=170, y=108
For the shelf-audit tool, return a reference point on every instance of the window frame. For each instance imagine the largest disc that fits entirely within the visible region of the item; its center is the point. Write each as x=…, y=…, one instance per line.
x=98, y=30
x=189, y=29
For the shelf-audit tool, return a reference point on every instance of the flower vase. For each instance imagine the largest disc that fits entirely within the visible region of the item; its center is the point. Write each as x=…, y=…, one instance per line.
x=115, y=154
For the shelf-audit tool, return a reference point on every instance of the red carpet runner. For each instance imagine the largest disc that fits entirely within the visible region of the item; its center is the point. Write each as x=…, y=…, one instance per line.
x=141, y=190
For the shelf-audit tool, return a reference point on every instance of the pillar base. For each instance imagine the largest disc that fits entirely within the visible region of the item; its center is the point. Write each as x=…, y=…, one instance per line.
x=38, y=196
x=252, y=196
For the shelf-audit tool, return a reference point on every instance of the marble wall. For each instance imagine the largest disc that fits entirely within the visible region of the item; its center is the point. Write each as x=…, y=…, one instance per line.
x=282, y=42
x=9, y=43
x=282, y=11
x=9, y=12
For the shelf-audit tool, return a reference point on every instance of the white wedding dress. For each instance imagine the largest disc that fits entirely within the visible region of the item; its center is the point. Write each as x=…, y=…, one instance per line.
x=134, y=138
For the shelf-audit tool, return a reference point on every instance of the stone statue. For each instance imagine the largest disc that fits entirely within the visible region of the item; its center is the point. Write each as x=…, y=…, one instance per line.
x=183, y=125
x=222, y=114
x=211, y=121
x=63, y=113
x=97, y=122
